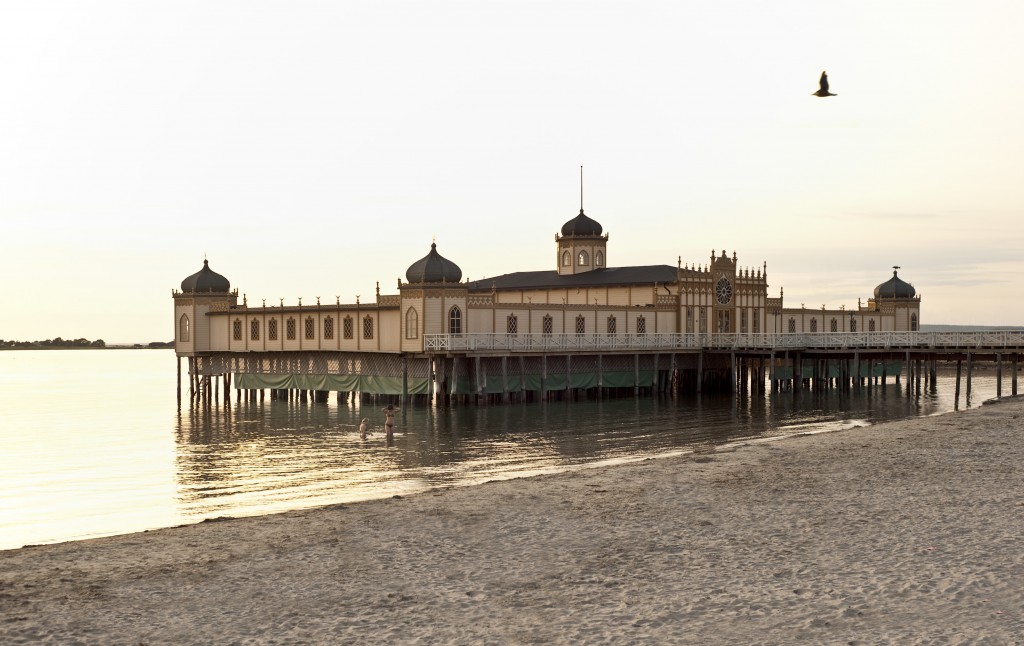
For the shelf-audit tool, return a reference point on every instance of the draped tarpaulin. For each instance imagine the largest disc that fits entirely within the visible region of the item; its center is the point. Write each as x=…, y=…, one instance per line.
x=345, y=383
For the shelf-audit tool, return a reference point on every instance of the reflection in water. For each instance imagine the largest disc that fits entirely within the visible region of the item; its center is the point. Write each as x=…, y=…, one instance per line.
x=93, y=443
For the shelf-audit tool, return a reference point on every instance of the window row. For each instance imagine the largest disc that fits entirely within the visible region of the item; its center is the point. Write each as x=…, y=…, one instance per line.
x=308, y=328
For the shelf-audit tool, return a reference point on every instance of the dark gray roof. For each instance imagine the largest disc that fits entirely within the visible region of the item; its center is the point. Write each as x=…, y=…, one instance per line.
x=610, y=276
x=581, y=225
x=206, y=280
x=433, y=268
x=895, y=288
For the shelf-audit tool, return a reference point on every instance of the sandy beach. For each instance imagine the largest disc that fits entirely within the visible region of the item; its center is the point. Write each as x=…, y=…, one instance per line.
x=907, y=532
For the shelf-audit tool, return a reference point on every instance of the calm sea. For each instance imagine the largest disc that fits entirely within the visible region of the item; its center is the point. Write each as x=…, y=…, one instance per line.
x=92, y=442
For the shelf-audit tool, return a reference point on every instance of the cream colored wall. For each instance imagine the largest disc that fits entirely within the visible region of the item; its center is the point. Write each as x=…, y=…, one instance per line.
x=385, y=330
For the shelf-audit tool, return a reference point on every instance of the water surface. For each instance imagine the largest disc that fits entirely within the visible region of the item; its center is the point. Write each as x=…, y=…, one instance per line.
x=92, y=442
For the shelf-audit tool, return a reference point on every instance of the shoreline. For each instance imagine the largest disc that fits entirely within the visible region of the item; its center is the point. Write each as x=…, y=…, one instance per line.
x=904, y=531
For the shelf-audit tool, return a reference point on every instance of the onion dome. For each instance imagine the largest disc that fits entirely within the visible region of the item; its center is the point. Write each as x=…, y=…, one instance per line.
x=206, y=280
x=434, y=268
x=895, y=288
x=581, y=225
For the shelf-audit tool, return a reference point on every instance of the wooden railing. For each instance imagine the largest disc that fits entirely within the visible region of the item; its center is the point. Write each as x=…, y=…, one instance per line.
x=996, y=341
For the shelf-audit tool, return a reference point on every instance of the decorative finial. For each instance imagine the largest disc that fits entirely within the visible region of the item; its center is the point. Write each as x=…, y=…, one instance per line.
x=337, y=300
x=318, y=300
x=300, y=301
x=378, y=288
x=581, y=189
x=264, y=303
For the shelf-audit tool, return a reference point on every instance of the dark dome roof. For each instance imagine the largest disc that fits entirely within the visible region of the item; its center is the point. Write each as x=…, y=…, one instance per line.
x=895, y=288
x=434, y=268
x=206, y=280
x=581, y=225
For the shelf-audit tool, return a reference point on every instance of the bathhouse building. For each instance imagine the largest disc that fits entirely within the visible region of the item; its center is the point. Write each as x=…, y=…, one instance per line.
x=582, y=323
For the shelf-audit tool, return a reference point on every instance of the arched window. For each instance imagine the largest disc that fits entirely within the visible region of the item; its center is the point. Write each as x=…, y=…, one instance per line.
x=329, y=327
x=853, y=325
x=913, y=322
x=792, y=326
x=310, y=328
x=833, y=325
x=548, y=325
x=368, y=327
x=871, y=325
x=612, y=325
x=184, y=331
x=289, y=328
x=236, y=330
x=581, y=325
x=272, y=329
x=566, y=259
x=254, y=330
x=814, y=325
x=412, y=323
x=641, y=325
x=512, y=324
x=583, y=259
x=598, y=259
x=346, y=328
x=455, y=320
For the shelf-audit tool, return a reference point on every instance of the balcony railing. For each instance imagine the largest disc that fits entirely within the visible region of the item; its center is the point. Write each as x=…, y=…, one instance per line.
x=512, y=343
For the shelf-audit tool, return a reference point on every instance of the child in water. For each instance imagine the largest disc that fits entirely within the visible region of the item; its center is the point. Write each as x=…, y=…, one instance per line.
x=362, y=428
x=389, y=421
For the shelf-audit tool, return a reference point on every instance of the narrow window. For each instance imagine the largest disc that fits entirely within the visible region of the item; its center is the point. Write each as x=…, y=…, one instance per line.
x=329, y=327
x=346, y=327
x=833, y=325
x=368, y=327
x=853, y=325
x=757, y=321
x=814, y=325
x=236, y=330
x=641, y=325
x=455, y=320
x=272, y=329
x=913, y=322
x=184, y=333
x=612, y=325
x=254, y=330
x=599, y=259
x=512, y=324
x=703, y=320
x=310, y=328
x=871, y=325
x=792, y=326
x=743, y=321
x=548, y=325
x=581, y=325
x=566, y=259
x=412, y=324
x=584, y=259
x=290, y=329
x=689, y=320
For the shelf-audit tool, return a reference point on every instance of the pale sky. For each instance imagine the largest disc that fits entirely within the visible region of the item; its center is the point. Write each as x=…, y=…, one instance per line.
x=314, y=148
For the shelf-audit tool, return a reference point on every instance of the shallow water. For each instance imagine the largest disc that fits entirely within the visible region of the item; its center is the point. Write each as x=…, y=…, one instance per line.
x=92, y=442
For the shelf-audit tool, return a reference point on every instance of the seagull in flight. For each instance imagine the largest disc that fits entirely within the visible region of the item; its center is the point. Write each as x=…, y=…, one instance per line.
x=823, y=86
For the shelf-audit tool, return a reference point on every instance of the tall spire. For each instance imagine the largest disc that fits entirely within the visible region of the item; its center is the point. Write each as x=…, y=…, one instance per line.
x=581, y=189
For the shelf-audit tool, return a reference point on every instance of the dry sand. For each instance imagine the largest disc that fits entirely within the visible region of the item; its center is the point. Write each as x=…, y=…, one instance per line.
x=908, y=532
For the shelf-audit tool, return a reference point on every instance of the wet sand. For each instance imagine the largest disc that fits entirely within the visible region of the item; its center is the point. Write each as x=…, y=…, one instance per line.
x=906, y=532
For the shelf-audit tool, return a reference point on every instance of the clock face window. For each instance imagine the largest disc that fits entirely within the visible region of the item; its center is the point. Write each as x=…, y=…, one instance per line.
x=723, y=291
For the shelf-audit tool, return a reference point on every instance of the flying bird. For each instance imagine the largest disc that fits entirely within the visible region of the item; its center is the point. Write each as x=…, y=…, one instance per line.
x=823, y=86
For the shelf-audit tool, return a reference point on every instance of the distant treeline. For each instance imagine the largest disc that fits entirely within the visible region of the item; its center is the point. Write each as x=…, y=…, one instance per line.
x=54, y=343
x=76, y=343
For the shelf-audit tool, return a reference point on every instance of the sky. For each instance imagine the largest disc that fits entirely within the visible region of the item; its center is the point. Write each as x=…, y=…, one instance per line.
x=315, y=148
